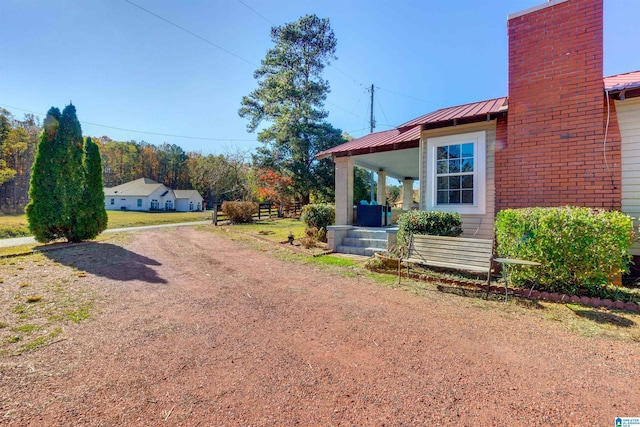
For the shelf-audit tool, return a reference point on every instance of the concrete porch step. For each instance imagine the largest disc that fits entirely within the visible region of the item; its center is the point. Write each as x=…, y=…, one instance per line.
x=365, y=242
x=359, y=250
x=367, y=233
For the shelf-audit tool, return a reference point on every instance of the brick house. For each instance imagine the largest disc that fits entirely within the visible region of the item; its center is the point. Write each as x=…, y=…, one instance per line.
x=565, y=135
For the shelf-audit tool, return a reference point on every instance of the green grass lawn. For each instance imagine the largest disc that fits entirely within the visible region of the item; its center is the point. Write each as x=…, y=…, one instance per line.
x=274, y=229
x=13, y=226
x=121, y=219
x=16, y=225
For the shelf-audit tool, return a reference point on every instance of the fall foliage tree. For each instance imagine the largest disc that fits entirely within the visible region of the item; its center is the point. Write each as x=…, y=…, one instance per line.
x=274, y=187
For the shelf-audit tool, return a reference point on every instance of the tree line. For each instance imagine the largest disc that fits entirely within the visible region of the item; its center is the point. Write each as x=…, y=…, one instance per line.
x=234, y=175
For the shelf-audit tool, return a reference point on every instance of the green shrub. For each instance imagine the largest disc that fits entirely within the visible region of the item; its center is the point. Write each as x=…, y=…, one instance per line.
x=318, y=216
x=580, y=249
x=433, y=223
x=240, y=212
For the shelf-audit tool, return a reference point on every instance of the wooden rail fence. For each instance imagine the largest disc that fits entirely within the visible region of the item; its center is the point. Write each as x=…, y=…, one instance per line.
x=265, y=210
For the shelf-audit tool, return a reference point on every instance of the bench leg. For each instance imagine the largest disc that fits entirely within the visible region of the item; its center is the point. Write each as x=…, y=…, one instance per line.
x=506, y=282
x=486, y=294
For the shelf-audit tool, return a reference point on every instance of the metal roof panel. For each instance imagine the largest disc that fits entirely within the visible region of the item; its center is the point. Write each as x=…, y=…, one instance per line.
x=622, y=81
x=474, y=109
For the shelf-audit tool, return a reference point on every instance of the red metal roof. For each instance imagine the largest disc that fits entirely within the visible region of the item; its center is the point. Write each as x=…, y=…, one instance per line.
x=461, y=112
x=408, y=133
x=622, y=81
x=377, y=141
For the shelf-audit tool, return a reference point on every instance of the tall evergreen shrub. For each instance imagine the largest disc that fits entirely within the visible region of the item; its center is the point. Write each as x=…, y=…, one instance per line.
x=67, y=198
x=93, y=215
x=44, y=210
x=70, y=174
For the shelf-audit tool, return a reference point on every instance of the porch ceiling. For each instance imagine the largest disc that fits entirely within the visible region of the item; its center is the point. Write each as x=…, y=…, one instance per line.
x=399, y=164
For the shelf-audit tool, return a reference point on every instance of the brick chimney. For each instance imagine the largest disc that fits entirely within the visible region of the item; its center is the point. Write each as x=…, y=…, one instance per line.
x=553, y=154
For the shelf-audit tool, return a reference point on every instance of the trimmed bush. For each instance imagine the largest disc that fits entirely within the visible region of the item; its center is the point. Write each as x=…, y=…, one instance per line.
x=240, y=212
x=434, y=223
x=319, y=216
x=580, y=249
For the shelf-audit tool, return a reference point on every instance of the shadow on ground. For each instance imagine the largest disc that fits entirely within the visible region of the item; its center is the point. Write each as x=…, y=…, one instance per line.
x=482, y=294
x=107, y=260
x=604, y=318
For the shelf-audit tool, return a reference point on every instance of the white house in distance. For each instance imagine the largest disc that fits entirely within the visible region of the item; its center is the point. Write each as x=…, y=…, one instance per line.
x=145, y=194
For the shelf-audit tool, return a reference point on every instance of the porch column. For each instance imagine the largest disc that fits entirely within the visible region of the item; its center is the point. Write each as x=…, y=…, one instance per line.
x=382, y=187
x=407, y=194
x=344, y=190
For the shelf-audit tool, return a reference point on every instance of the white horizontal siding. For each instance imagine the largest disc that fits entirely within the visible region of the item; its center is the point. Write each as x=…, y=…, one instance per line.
x=476, y=226
x=629, y=122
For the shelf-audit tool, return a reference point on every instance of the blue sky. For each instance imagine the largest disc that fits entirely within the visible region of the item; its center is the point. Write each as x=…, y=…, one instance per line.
x=125, y=68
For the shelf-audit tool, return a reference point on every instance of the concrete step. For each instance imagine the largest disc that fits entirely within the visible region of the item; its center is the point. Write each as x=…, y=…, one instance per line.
x=359, y=250
x=367, y=233
x=364, y=242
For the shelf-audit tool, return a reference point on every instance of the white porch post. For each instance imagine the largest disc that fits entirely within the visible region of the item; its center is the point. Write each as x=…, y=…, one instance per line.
x=344, y=190
x=382, y=187
x=407, y=194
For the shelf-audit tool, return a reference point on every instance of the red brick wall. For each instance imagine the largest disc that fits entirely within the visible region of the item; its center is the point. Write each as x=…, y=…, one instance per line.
x=555, y=132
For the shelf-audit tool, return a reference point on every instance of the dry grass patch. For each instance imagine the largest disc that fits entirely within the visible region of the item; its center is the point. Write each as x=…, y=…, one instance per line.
x=41, y=298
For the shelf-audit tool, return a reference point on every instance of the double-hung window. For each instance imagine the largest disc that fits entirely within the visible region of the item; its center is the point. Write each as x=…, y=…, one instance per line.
x=456, y=173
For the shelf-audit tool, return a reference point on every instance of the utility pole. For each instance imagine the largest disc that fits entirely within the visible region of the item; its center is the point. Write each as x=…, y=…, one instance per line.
x=372, y=124
x=372, y=121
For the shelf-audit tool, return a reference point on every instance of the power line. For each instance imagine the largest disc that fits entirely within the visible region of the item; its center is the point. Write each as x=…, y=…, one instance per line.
x=191, y=33
x=140, y=131
x=256, y=12
x=226, y=50
x=353, y=79
x=405, y=95
x=343, y=109
x=170, y=135
x=347, y=75
x=383, y=113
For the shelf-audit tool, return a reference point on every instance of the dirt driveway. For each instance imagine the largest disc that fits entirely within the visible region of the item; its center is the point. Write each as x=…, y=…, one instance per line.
x=198, y=330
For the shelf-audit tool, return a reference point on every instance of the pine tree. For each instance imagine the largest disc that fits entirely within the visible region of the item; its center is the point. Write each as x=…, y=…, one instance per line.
x=290, y=96
x=45, y=208
x=93, y=215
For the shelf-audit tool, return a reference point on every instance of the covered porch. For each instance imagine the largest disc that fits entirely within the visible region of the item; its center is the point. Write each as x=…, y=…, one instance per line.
x=390, y=154
x=411, y=153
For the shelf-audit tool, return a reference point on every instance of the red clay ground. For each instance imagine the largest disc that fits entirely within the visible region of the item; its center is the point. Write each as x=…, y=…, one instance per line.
x=197, y=330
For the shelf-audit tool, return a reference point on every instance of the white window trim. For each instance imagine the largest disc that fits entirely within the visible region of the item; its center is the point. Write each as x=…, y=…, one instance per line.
x=479, y=178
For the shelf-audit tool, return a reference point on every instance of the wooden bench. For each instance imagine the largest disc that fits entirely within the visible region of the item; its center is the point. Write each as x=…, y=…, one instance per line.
x=458, y=253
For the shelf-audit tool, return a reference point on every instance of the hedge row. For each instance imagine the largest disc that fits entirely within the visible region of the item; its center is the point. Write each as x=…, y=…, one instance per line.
x=580, y=249
x=423, y=222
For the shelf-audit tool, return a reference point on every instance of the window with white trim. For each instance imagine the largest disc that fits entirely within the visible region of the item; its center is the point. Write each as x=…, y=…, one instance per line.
x=456, y=175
